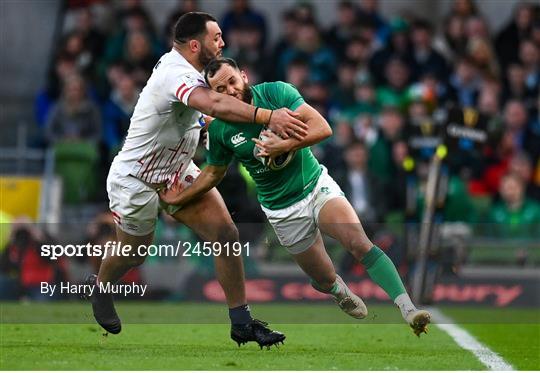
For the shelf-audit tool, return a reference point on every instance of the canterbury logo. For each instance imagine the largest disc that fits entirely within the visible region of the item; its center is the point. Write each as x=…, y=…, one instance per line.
x=238, y=139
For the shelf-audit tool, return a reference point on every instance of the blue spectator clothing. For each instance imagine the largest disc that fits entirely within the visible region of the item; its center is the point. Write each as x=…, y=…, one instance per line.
x=116, y=118
x=247, y=18
x=322, y=62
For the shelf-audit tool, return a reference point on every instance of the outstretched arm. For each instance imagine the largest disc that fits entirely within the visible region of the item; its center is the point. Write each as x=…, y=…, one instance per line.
x=210, y=177
x=283, y=121
x=318, y=130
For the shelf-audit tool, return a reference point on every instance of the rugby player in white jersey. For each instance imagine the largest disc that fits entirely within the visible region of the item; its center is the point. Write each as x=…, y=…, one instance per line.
x=157, y=153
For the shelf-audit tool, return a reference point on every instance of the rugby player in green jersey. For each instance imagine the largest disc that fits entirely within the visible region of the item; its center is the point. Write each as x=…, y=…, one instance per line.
x=296, y=193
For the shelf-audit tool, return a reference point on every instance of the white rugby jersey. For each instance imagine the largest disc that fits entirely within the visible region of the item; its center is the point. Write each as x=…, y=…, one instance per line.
x=164, y=132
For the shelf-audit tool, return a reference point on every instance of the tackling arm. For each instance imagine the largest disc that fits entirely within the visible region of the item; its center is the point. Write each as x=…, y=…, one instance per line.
x=228, y=108
x=210, y=177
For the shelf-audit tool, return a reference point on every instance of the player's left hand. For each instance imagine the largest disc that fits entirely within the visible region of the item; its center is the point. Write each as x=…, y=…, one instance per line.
x=205, y=122
x=171, y=195
x=273, y=146
x=287, y=124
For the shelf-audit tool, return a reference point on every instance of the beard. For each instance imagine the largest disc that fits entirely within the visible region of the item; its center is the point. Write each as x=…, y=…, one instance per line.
x=206, y=56
x=247, y=95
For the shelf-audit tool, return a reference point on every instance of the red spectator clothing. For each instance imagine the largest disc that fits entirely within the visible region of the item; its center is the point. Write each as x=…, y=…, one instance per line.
x=490, y=180
x=35, y=269
x=133, y=275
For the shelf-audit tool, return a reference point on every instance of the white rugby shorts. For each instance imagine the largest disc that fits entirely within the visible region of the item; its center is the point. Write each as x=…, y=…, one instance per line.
x=297, y=226
x=136, y=205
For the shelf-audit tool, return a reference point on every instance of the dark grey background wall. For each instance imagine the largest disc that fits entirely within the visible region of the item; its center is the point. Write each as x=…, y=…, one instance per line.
x=26, y=35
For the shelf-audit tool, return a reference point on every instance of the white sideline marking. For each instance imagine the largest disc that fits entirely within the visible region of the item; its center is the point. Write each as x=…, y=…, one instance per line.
x=466, y=341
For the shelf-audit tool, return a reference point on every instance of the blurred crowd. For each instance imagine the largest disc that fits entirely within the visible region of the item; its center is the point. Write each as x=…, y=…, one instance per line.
x=374, y=78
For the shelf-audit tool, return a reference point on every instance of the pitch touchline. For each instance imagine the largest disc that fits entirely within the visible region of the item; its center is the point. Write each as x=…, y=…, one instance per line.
x=466, y=341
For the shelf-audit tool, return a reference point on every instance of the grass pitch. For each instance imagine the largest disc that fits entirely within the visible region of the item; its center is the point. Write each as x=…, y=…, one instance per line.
x=65, y=340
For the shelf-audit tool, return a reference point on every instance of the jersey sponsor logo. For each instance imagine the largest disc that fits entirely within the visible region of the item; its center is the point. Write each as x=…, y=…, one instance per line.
x=261, y=170
x=238, y=139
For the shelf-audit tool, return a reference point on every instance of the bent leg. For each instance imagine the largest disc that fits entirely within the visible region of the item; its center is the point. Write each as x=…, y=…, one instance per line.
x=113, y=267
x=338, y=219
x=209, y=218
x=316, y=263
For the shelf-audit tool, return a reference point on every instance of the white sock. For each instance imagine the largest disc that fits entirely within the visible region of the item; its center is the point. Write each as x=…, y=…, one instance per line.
x=403, y=301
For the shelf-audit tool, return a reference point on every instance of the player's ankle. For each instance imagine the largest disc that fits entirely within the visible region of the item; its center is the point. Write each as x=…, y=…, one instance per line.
x=405, y=304
x=325, y=287
x=240, y=315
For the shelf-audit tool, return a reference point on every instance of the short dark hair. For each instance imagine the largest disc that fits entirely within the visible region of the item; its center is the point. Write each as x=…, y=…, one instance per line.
x=213, y=66
x=191, y=26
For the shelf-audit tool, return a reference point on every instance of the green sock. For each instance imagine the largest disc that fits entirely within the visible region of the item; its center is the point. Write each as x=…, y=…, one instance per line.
x=383, y=272
x=317, y=287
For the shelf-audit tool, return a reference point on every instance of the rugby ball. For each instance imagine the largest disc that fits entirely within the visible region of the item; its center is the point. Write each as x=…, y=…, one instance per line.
x=274, y=164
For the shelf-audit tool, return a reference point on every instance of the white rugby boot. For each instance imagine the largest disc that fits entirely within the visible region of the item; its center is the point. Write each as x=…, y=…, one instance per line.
x=349, y=302
x=418, y=320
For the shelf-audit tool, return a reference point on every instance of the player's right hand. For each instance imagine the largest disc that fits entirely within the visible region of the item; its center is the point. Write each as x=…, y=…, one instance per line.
x=171, y=195
x=285, y=123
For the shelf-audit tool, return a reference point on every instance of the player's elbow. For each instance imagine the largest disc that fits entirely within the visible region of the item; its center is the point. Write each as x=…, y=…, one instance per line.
x=327, y=131
x=321, y=126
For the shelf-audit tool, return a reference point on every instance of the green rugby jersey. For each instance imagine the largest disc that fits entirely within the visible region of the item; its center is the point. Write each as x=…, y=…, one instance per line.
x=283, y=183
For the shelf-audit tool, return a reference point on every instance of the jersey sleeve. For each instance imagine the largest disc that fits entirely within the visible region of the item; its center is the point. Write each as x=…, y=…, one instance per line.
x=180, y=85
x=218, y=154
x=285, y=95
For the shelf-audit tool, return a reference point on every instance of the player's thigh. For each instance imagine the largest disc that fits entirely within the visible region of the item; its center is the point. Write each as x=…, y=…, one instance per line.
x=338, y=219
x=316, y=263
x=209, y=218
x=134, y=206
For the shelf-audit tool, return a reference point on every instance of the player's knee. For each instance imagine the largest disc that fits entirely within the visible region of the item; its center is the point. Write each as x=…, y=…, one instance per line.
x=357, y=243
x=228, y=233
